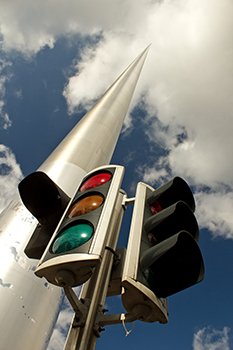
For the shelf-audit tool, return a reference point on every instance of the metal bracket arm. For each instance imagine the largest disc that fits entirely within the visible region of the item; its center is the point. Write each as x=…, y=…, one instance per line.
x=80, y=306
x=107, y=320
x=127, y=201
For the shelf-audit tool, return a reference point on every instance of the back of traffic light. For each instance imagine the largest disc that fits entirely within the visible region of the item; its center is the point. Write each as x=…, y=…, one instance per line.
x=162, y=256
x=47, y=202
x=78, y=242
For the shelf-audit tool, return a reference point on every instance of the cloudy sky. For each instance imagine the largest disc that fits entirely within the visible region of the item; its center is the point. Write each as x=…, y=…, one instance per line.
x=57, y=57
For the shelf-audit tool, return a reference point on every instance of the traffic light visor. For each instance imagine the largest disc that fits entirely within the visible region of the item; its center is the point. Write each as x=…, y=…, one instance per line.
x=177, y=217
x=173, y=265
x=170, y=193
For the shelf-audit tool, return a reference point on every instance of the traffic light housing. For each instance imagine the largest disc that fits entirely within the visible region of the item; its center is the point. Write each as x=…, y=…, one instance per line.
x=47, y=202
x=78, y=242
x=162, y=256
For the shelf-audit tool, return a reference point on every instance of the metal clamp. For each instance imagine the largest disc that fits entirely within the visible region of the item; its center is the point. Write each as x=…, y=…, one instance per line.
x=110, y=319
x=127, y=201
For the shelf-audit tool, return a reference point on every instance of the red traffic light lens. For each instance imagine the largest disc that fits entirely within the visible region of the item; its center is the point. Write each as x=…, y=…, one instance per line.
x=155, y=207
x=85, y=205
x=95, y=181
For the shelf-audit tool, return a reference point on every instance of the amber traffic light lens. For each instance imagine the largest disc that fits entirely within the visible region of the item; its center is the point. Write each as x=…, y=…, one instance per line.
x=85, y=205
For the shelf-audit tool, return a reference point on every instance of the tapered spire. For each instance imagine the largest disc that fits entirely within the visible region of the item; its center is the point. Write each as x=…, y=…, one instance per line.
x=27, y=300
x=92, y=141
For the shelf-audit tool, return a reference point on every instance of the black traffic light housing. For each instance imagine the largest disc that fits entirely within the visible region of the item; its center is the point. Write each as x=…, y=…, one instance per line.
x=170, y=259
x=173, y=265
x=162, y=256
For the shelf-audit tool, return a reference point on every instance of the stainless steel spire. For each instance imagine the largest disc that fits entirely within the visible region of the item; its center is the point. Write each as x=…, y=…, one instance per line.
x=29, y=305
x=92, y=141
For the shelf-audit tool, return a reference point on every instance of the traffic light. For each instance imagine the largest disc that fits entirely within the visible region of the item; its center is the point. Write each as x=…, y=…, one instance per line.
x=47, y=202
x=79, y=240
x=162, y=256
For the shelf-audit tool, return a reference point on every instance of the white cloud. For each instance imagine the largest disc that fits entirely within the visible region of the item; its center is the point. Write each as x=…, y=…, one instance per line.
x=5, y=121
x=156, y=173
x=214, y=211
x=98, y=68
x=62, y=326
x=58, y=337
x=211, y=339
x=10, y=175
x=190, y=89
x=27, y=26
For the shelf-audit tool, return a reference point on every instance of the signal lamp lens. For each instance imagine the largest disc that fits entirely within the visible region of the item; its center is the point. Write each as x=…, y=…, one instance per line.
x=95, y=181
x=155, y=207
x=85, y=205
x=72, y=238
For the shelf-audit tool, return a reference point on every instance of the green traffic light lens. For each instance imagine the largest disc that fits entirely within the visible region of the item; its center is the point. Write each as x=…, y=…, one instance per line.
x=72, y=237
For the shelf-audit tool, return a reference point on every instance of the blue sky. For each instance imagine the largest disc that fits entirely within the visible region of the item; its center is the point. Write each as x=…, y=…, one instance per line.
x=56, y=59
